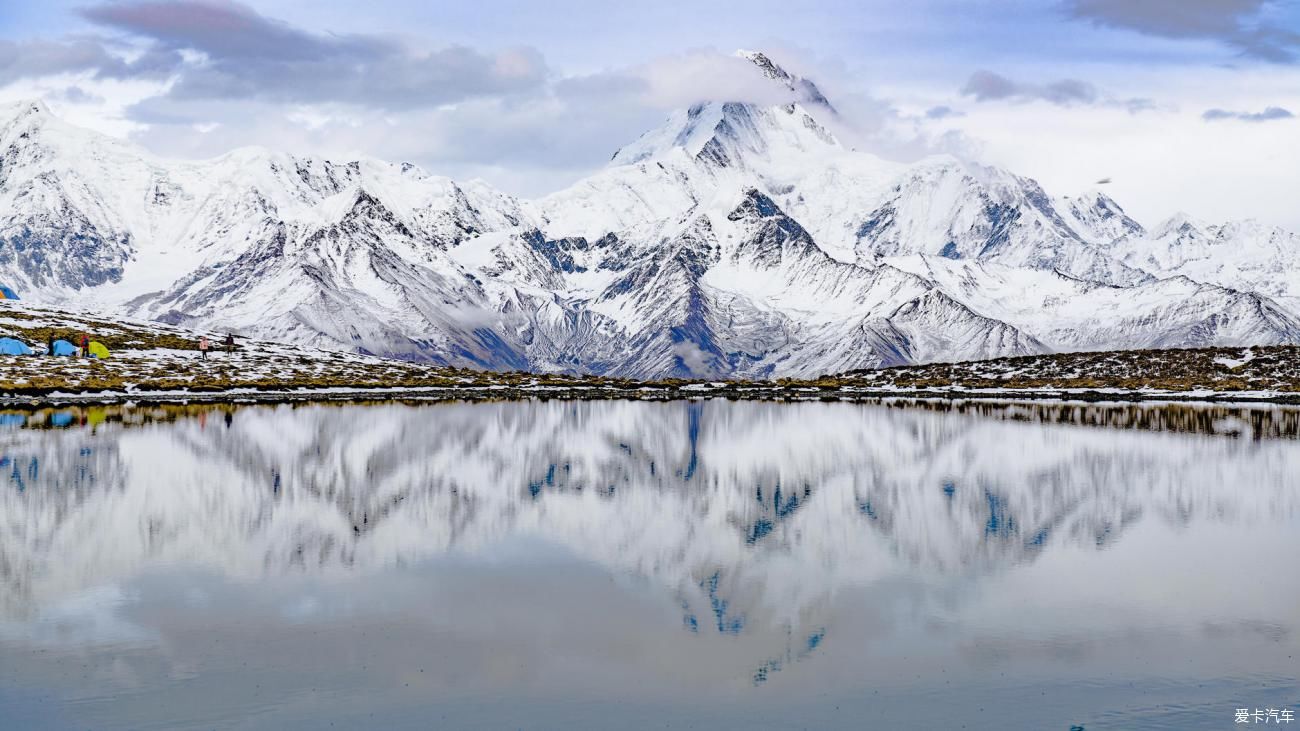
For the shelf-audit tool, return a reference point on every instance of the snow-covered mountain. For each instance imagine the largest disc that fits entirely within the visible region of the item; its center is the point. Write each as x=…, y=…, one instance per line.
x=1244, y=255
x=737, y=239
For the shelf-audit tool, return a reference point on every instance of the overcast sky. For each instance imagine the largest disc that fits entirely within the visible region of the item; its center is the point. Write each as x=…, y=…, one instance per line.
x=1185, y=105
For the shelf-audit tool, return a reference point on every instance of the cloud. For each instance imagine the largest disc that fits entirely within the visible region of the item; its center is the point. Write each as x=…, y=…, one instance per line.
x=1244, y=25
x=988, y=86
x=223, y=30
x=529, y=142
x=1137, y=104
x=943, y=112
x=985, y=86
x=553, y=132
x=680, y=80
x=37, y=58
x=78, y=95
x=693, y=359
x=1269, y=114
x=235, y=52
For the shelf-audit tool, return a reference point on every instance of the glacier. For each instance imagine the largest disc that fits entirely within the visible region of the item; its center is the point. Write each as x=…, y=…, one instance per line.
x=736, y=240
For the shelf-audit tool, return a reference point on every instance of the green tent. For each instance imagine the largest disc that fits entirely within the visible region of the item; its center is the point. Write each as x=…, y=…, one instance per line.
x=97, y=350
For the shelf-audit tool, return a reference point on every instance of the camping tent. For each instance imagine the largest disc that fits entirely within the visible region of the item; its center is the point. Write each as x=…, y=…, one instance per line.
x=63, y=347
x=9, y=346
x=97, y=350
x=7, y=294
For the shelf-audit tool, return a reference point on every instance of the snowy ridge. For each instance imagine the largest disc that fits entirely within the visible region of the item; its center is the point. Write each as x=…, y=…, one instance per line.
x=736, y=240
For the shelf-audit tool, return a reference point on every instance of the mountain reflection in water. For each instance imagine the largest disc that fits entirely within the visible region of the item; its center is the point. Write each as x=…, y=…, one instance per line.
x=712, y=562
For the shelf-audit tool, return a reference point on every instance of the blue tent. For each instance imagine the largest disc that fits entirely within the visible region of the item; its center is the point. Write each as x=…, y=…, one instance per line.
x=61, y=418
x=63, y=347
x=9, y=346
x=7, y=294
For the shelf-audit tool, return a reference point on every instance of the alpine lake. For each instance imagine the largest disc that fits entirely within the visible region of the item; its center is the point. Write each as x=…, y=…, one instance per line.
x=707, y=564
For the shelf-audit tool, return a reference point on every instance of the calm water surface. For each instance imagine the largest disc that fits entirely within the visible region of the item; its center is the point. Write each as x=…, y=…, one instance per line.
x=636, y=565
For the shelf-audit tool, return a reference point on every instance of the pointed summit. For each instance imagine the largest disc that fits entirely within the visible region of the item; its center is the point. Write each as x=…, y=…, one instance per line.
x=1099, y=219
x=1182, y=226
x=24, y=108
x=25, y=113
x=806, y=91
x=730, y=133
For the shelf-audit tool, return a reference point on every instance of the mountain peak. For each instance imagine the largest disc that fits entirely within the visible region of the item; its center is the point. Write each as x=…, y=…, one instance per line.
x=1097, y=196
x=1099, y=219
x=769, y=67
x=730, y=133
x=25, y=112
x=25, y=108
x=1180, y=224
x=805, y=90
x=1102, y=205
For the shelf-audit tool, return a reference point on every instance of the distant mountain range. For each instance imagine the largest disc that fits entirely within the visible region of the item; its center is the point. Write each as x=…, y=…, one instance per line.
x=736, y=240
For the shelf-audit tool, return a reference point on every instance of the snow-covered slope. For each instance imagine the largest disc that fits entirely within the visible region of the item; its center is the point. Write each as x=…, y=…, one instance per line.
x=963, y=211
x=1070, y=314
x=737, y=239
x=1244, y=255
x=1099, y=220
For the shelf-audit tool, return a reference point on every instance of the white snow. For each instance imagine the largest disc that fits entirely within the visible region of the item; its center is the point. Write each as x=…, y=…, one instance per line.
x=1246, y=356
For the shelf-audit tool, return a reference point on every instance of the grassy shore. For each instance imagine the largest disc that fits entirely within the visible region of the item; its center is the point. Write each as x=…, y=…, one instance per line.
x=152, y=357
x=1223, y=370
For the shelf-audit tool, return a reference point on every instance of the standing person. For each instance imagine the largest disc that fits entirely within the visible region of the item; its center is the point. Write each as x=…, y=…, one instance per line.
x=50, y=351
x=230, y=342
x=85, y=346
x=203, y=347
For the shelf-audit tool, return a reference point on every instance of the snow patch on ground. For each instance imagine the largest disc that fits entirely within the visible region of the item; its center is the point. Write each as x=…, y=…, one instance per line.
x=1247, y=356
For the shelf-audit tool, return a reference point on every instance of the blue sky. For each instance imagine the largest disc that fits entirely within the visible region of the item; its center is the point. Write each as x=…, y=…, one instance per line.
x=1185, y=104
